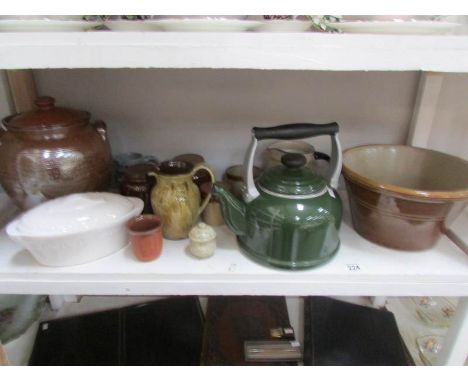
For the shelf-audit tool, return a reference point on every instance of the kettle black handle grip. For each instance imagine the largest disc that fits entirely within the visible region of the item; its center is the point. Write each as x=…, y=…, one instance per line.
x=295, y=131
x=292, y=131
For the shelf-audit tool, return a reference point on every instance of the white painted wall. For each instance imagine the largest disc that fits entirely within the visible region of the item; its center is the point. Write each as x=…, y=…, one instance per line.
x=167, y=112
x=450, y=127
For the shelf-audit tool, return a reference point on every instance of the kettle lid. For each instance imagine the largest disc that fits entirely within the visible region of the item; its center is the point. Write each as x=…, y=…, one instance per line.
x=292, y=180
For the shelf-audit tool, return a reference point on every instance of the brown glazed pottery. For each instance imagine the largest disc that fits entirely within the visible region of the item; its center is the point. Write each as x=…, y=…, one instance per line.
x=234, y=177
x=136, y=182
x=124, y=160
x=176, y=198
x=201, y=176
x=212, y=214
x=403, y=197
x=51, y=152
x=146, y=237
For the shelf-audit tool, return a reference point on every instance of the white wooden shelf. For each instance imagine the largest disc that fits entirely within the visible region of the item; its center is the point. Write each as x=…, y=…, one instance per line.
x=441, y=271
x=360, y=267
x=281, y=51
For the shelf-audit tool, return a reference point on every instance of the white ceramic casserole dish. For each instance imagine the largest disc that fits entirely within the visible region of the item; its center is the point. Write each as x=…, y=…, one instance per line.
x=75, y=229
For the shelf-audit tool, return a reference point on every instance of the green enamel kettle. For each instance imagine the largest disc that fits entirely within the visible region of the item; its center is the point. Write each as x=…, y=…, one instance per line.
x=291, y=217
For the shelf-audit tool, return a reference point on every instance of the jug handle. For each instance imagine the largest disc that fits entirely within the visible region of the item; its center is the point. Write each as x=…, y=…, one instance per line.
x=153, y=174
x=321, y=156
x=292, y=131
x=3, y=130
x=197, y=168
x=101, y=127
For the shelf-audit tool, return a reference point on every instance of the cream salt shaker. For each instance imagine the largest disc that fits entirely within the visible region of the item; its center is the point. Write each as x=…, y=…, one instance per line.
x=202, y=240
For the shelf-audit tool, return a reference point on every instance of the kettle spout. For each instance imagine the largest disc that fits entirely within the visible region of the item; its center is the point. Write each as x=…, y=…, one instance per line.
x=233, y=209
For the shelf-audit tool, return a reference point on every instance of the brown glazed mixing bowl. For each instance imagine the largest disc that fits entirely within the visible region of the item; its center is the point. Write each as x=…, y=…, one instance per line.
x=402, y=197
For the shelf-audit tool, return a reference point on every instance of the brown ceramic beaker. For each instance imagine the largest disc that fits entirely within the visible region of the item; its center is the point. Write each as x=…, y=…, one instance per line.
x=145, y=236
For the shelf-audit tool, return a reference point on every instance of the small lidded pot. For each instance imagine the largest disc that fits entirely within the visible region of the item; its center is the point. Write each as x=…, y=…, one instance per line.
x=202, y=240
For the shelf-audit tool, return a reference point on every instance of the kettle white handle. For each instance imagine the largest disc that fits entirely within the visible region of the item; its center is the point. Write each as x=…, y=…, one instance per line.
x=250, y=191
x=336, y=162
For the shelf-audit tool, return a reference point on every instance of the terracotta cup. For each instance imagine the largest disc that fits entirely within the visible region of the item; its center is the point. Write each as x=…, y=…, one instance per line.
x=146, y=236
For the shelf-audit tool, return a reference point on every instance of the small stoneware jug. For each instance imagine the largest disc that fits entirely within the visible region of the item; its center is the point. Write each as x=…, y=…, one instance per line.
x=176, y=198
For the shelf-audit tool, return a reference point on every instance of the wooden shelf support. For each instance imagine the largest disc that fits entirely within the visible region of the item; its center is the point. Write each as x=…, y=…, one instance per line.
x=22, y=89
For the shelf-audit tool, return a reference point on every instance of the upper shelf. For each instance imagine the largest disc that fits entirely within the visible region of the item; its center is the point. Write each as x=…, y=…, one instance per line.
x=280, y=51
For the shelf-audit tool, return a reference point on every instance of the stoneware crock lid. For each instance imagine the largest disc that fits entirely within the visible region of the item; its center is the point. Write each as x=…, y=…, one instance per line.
x=75, y=213
x=46, y=116
x=292, y=179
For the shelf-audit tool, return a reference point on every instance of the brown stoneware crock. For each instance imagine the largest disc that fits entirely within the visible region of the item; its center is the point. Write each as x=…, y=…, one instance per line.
x=53, y=151
x=403, y=197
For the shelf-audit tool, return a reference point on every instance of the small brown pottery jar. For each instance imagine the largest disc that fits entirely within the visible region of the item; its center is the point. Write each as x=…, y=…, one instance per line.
x=136, y=182
x=51, y=152
x=176, y=198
